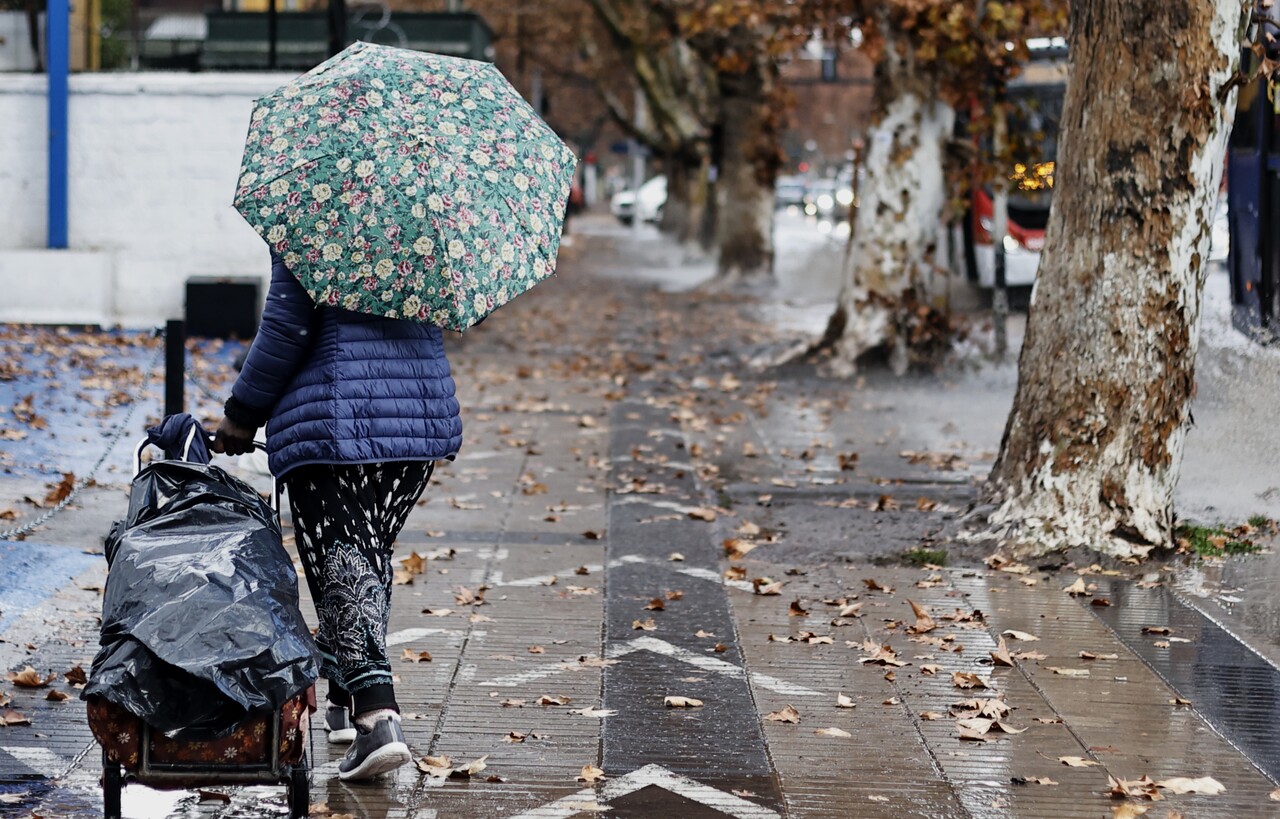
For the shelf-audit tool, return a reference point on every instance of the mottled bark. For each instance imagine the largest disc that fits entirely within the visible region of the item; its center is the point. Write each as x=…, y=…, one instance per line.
x=1093, y=445
x=747, y=173
x=893, y=264
x=688, y=189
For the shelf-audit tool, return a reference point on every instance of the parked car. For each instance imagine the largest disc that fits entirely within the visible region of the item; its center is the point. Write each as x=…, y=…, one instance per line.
x=789, y=192
x=625, y=205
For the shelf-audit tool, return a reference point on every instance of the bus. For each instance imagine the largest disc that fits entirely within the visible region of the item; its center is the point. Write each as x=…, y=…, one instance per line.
x=1035, y=98
x=1253, y=199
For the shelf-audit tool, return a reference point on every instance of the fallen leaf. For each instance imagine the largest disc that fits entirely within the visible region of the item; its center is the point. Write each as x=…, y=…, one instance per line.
x=656, y=604
x=514, y=703
x=844, y=702
x=1206, y=785
x=833, y=732
x=924, y=622
x=675, y=557
x=766, y=586
x=416, y=656
x=549, y=700
x=965, y=679
x=1001, y=655
x=1077, y=761
x=875, y=586
x=702, y=513
x=1069, y=672
x=591, y=535
x=1128, y=810
x=76, y=676
x=681, y=702
x=214, y=796
x=1078, y=589
x=469, y=770
x=438, y=612
x=788, y=714
x=993, y=708
x=877, y=654
x=1019, y=635
x=930, y=716
x=536, y=650
x=644, y=625
x=592, y=712
x=736, y=547
x=1089, y=655
x=1033, y=780
x=1156, y=630
x=57, y=696
x=29, y=678
x=1132, y=788
x=797, y=609
x=12, y=717
x=930, y=669
x=590, y=773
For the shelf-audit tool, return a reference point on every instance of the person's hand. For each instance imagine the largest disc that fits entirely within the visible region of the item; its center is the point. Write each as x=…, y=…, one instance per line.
x=233, y=439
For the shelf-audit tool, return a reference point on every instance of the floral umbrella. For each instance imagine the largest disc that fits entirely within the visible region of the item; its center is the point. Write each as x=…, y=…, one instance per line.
x=404, y=184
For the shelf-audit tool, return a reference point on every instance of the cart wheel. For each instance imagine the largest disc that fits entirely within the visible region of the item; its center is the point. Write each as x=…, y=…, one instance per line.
x=299, y=791
x=112, y=784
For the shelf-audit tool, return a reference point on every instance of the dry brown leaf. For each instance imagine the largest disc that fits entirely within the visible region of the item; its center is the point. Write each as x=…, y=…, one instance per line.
x=875, y=586
x=736, y=547
x=546, y=699
x=29, y=678
x=1077, y=762
x=1205, y=785
x=993, y=708
x=590, y=773
x=675, y=557
x=1128, y=810
x=966, y=679
x=788, y=714
x=765, y=586
x=1069, y=672
x=1078, y=589
x=797, y=609
x=1035, y=780
x=514, y=703
x=57, y=696
x=1139, y=788
x=1001, y=655
x=656, y=604
x=416, y=656
x=924, y=622
x=435, y=766
x=929, y=669
x=12, y=717
x=681, y=702
x=1019, y=635
x=844, y=702
x=833, y=732
x=437, y=612
x=644, y=625
x=702, y=513
x=536, y=650
x=930, y=716
x=469, y=770
x=877, y=654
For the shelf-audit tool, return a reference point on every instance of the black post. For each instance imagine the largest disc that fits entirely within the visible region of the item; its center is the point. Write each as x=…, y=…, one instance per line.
x=273, y=33
x=337, y=26
x=175, y=366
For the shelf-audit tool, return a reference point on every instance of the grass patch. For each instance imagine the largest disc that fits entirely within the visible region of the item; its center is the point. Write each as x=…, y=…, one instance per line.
x=925, y=557
x=1261, y=521
x=1218, y=541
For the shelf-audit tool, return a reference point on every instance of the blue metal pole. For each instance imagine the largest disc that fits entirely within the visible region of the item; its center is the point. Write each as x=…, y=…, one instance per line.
x=58, y=28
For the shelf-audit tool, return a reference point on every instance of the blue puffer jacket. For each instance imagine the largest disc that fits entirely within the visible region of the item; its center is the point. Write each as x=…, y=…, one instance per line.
x=334, y=386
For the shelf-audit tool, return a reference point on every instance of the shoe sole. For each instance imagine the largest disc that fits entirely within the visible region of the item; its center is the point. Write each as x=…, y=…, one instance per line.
x=387, y=758
x=344, y=736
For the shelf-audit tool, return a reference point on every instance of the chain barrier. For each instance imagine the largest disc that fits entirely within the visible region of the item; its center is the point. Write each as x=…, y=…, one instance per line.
x=19, y=532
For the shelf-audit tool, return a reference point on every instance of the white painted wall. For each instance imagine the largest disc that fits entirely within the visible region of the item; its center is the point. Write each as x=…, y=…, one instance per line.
x=153, y=165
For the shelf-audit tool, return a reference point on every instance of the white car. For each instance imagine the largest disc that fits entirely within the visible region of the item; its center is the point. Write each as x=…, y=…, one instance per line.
x=652, y=196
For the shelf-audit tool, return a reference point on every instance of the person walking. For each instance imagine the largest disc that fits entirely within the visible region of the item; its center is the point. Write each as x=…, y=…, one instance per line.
x=357, y=409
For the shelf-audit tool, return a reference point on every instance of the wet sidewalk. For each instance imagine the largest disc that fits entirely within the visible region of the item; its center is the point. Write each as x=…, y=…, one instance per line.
x=658, y=583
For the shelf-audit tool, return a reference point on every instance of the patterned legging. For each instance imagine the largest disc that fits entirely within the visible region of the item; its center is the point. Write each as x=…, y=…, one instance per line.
x=346, y=518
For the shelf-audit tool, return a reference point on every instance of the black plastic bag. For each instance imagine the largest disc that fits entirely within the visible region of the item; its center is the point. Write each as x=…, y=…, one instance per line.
x=200, y=618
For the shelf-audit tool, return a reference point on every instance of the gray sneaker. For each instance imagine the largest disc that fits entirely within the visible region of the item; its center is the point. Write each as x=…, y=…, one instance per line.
x=375, y=751
x=337, y=724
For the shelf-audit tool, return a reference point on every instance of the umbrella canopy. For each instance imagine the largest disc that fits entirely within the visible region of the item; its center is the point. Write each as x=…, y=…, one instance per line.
x=404, y=184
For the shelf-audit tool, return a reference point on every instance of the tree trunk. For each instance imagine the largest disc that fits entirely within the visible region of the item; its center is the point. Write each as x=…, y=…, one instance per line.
x=33, y=33
x=1093, y=445
x=893, y=264
x=688, y=186
x=747, y=172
